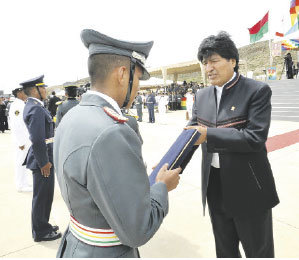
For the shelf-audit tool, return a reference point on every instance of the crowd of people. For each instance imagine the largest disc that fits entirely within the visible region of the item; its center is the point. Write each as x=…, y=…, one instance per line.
x=95, y=152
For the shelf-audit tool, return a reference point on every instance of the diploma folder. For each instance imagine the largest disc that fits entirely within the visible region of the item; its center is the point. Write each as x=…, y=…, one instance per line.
x=179, y=154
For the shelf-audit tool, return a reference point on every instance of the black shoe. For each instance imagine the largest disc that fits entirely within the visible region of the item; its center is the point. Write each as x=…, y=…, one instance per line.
x=49, y=237
x=55, y=228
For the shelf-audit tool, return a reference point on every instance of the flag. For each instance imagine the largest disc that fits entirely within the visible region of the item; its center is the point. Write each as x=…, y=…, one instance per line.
x=279, y=34
x=294, y=9
x=292, y=44
x=259, y=29
x=293, y=29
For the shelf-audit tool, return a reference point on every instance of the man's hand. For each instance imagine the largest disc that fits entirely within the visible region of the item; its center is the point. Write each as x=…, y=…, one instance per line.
x=169, y=177
x=22, y=147
x=46, y=169
x=202, y=131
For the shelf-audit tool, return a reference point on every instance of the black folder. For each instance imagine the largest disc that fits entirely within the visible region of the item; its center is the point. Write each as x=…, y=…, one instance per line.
x=179, y=154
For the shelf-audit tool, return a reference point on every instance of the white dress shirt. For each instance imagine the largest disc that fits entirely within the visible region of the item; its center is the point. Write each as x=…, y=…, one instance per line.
x=215, y=159
x=110, y=100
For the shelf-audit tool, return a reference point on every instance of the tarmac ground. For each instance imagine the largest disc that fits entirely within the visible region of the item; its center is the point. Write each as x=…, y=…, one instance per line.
x=185, y=232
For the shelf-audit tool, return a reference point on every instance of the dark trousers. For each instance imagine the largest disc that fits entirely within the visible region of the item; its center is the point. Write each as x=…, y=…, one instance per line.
x=255, y=232
x=151, y=114
x=43, y=191
x=139, y=114
x=3, y=123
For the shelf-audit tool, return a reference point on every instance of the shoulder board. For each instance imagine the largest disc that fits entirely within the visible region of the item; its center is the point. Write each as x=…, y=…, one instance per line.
x=58, y=103
x=119, y=118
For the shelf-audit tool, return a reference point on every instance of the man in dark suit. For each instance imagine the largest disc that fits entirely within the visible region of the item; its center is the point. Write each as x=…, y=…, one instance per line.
x=233, y=116
x=52, y=104
x=40, y=159
x=150, y=102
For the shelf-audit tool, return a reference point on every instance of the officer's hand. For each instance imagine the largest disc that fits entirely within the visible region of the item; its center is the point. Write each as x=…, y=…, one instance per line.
x=169, y=177
x=202, y=131
x=22, y=147
x=46, y=169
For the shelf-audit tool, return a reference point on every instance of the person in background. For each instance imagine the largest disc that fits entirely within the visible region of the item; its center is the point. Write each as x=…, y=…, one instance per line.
x=52, y=107
x=21, y=139
x=71, y=101
x=150, y=103
x=3, y=115
x=139, y=103
x=40, y=159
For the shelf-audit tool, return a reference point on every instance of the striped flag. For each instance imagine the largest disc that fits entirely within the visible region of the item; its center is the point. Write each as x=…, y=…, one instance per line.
x=259, y=29
x=294, y=10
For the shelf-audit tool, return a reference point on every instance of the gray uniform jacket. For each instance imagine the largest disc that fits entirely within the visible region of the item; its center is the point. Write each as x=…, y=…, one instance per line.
x=63, y=108
x=103, y=181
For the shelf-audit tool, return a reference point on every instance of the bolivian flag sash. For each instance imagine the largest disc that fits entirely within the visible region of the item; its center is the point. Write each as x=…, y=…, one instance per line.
x=92, y=236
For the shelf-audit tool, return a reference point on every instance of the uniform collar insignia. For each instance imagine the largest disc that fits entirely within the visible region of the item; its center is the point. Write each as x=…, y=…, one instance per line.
x=112, y=113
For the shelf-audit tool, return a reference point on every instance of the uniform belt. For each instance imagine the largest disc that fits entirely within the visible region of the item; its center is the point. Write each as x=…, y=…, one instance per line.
x=49, y=140
x=92, y=236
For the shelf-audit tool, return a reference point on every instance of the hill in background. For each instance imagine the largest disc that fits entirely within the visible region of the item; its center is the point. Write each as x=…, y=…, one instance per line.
x=254, y=57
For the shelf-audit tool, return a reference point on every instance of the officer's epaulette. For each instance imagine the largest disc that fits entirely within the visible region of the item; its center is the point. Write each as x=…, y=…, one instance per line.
x=117, y=117
x=58, y=103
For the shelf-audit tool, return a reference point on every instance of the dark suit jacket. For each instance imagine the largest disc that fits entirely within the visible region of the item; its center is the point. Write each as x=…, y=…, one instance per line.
x=238, y=133
x=52, y=105
x=40, y=127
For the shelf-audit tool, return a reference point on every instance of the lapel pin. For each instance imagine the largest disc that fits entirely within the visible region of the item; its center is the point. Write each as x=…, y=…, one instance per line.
x=233, y=108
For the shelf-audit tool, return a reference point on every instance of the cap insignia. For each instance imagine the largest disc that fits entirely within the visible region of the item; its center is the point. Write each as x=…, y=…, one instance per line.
x=17, y=112
x=233, y=108
x=117, y=117
x=138, y=56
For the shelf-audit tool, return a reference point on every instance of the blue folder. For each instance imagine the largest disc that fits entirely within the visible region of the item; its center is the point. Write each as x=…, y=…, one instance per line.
x=179, y=154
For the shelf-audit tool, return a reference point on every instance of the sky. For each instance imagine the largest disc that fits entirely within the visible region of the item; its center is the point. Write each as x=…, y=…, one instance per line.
x=43, y=37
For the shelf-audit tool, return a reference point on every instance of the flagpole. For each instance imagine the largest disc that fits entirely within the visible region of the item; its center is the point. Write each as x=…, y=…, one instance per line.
x=270, y=45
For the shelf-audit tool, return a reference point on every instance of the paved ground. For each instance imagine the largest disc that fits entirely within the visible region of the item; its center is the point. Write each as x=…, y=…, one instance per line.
x=285, y=99
x=185, y=231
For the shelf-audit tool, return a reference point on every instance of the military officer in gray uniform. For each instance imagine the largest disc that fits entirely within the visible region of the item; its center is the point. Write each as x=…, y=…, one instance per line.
x=63, y=107
x=138, y=103
x=99, y=165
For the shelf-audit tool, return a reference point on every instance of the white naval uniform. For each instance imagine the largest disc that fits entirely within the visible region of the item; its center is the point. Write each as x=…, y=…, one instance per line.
x=21, y=138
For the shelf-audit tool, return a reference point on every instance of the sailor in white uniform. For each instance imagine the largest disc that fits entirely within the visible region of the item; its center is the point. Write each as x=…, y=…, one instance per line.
x=21, y=139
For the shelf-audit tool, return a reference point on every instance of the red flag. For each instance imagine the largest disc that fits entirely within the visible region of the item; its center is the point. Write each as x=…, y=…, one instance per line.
x=279, y=34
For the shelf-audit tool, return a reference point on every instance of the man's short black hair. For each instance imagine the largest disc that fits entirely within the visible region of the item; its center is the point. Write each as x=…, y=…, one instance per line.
x=71, y=92
x=220, y=44
x=53, y=93
x=101, y=65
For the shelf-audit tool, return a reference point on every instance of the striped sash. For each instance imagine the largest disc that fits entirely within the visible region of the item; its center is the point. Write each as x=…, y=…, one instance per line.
x=92, y=236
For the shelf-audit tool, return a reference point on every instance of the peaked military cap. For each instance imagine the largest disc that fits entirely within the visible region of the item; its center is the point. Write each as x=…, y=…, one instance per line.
x=35, y=82
x=98, y=43
x=179, y=154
